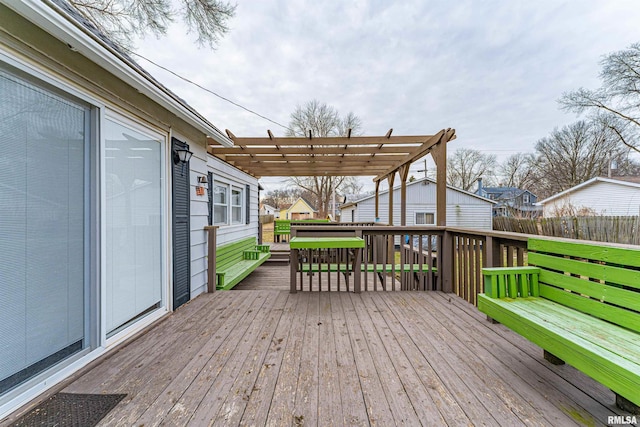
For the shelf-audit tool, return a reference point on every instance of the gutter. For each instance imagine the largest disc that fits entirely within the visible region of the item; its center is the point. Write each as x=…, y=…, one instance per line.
x=54, y=20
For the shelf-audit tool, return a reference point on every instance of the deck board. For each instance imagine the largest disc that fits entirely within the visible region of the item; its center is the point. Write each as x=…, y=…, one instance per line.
x=570, y=386
x=284, y=395
x=228, y=318
x=264, y=357
x=330, y=412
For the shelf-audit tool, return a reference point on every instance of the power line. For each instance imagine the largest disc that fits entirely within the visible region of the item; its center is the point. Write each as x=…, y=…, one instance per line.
x=209, y=91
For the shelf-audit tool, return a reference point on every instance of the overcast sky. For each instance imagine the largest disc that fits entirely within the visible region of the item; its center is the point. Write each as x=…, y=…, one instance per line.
x=493, y=70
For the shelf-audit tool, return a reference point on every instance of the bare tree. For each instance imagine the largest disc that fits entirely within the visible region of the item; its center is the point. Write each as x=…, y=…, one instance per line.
x=518, y=170
x=573, y=154
x=123, y=20
x=466, y=165
x=617, y=101
x=351, y=185
x=281, y=196
x=323, y=121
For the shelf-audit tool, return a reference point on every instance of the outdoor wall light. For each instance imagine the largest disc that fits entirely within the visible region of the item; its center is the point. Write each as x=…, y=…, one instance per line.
x=181, y=155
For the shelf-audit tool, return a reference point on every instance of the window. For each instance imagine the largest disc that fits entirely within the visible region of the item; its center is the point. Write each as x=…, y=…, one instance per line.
x=425, y=218
x=220, y=204
x=525, y=198
x=229, y=203
x=236, y=205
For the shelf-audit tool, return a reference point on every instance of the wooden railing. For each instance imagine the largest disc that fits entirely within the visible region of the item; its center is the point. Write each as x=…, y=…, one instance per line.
x=395, y=258
x=470, y=250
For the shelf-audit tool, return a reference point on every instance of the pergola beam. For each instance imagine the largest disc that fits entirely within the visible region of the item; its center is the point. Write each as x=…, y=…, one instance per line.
x=334, y=140
x=311, y=162
x=310, y=171
x=423, y=150
x=276, y=160
x=370, y=149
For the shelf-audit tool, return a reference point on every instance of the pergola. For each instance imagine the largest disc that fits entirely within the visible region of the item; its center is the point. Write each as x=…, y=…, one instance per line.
x=379, y=156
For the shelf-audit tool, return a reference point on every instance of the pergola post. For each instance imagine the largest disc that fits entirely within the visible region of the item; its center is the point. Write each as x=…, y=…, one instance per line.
x=377, y=200
x=390, y=178
x=404, y=173
x=439, y=154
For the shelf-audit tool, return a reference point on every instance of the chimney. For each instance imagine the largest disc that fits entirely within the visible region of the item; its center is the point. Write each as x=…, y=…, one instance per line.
x=479, y=191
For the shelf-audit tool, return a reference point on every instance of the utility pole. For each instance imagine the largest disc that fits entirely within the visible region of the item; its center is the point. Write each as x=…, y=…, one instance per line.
x=425, y=168
x=333, y=217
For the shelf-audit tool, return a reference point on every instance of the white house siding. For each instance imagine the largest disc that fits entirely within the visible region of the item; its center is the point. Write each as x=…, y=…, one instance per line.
x=463, y=210
x=604, y=198
x=201, y=164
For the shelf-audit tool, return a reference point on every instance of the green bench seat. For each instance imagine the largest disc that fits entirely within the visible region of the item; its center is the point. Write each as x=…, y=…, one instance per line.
x=236, y=260
x=581, y=304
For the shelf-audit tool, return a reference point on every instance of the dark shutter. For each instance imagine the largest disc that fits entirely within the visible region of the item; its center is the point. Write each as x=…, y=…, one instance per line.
x=248, y=203
x=210, y=195
x=181, y=229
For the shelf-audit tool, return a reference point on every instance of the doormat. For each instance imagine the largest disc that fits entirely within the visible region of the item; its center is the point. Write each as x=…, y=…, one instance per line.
x=70, y=409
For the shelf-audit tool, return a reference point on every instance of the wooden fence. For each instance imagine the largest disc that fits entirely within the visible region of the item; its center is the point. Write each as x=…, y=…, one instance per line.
x=266, y=219
x=611, y=229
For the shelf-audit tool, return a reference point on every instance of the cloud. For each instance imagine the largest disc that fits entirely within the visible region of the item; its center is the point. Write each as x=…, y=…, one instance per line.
x=492, y=69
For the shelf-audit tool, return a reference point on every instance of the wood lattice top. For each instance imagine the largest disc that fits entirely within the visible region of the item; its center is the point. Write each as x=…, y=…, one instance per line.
x=376, y=156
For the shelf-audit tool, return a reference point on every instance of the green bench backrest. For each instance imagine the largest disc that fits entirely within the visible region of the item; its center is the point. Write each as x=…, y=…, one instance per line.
x=598, y=280
x=283, y=226
x=230, y=253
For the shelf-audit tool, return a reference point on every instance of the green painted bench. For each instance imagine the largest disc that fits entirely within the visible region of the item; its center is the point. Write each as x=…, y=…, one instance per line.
x=282, y=227
x=581, y=303
x=236, y=260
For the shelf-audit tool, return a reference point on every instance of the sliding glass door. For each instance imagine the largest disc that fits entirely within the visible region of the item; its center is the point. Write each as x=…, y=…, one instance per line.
x=134, y=218
x=44, y=145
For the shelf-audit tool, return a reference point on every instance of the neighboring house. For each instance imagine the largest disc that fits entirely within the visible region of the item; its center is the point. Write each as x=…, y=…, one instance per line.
x=300, y=209
x=269, y=210
x=464, y=209
x=597, y=196
x=511, y=201
x=101, y=225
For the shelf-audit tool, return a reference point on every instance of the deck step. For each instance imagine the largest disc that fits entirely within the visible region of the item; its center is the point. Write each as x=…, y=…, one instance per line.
x=278, y=257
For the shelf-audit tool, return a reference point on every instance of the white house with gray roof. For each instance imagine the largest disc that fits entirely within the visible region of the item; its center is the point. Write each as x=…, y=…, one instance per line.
x=464, y=209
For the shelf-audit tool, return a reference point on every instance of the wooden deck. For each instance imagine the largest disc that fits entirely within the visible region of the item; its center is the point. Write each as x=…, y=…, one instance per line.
x=265, y=357
x=278, y=246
